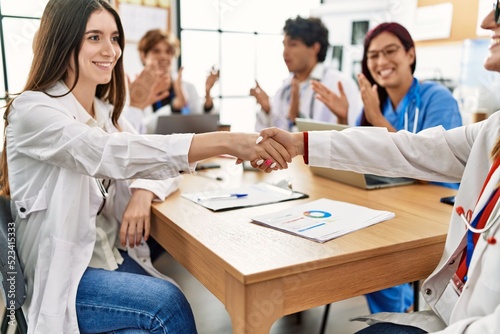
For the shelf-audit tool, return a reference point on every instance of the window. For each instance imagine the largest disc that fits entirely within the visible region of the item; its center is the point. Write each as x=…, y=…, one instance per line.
x=243, y=38
x=19, y=21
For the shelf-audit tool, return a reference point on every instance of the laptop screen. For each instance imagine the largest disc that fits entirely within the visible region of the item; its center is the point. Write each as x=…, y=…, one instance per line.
x=304, y=124
x=200, y=123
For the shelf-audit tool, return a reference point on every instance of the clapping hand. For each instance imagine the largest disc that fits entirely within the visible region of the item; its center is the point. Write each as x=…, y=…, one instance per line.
x=212, y=77
x=338, y=104
x=261, y=96
x=371, y=103
x=148, y=87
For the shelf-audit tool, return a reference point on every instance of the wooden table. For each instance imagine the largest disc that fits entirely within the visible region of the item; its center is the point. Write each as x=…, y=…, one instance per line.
x=261, y=274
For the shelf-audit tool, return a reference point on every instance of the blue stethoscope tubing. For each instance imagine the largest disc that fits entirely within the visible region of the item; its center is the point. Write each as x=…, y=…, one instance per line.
x=413, y=99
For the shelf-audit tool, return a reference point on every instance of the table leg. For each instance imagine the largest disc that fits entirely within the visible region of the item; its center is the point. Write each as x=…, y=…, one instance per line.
x=253, y=308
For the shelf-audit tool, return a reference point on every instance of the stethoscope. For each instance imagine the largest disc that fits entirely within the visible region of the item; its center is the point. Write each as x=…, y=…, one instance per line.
x=413, y=98
x=489, y=223
x=492, y=220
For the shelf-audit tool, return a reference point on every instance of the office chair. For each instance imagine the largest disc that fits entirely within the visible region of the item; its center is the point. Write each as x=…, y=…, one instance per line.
x=416, y=294
x=11, y=273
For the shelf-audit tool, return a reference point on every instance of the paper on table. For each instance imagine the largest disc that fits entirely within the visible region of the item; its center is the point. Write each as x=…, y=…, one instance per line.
x=323, y=219
x=256, y=194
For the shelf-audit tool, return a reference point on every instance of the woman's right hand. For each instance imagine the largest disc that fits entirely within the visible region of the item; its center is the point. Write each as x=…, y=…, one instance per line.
x=243, y=146
x=293, y=143
x=212, y=77
x=269, y=154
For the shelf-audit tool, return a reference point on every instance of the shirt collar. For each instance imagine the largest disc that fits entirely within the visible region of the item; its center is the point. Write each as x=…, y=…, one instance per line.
x=316, y=73
x=77, y=110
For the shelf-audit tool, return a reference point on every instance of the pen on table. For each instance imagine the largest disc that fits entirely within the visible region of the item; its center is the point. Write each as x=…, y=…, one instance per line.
x=211, y=176
x=223, y=196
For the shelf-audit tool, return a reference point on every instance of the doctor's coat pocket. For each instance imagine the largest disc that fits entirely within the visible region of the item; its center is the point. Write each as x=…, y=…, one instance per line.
x=58, y=261
x=490, y=265
x=25, y=207
x=486, y=290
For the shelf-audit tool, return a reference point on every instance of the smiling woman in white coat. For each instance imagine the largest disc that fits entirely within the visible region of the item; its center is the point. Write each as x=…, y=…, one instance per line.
x=463, y=292
x=74, y=174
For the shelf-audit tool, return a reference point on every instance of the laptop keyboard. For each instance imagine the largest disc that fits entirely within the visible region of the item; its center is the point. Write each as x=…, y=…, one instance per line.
x=373, y=180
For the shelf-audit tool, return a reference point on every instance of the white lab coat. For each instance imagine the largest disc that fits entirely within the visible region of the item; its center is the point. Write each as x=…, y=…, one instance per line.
x=145, y=120
x=309, y=106
x=53, y=159
x=461, y=154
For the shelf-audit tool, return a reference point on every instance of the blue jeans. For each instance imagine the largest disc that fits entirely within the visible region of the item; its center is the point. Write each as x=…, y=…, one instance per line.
x=390, y=328
x=128, y=301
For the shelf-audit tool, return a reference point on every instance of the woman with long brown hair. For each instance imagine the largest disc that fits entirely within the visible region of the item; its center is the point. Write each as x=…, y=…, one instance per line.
x=74, y=177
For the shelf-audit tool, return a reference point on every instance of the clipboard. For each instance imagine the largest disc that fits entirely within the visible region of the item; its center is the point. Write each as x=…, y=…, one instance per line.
x=255, y=194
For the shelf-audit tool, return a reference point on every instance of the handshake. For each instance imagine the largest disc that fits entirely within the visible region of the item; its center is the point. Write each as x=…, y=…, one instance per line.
x=273, y=149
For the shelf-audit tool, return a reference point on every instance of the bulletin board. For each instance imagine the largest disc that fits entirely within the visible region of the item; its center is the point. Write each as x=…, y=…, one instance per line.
x=139, y=16
x=464, y=21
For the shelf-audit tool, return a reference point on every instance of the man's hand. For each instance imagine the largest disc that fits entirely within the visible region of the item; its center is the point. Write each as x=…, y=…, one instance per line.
x=338, y=104
x=261, y=96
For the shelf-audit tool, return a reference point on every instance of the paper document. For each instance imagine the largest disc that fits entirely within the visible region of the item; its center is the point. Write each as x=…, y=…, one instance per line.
x=244, y=196
x=323, y=219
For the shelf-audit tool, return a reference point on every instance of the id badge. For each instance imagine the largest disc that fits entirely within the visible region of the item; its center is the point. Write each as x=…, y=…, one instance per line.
x=446, y=303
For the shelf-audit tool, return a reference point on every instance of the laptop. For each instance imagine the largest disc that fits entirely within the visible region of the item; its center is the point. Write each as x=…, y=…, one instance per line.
x=363, y=181
x=306, y=124
x=198, y=123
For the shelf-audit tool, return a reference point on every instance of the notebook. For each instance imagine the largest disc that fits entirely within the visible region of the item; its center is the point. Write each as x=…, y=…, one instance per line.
x=363, y=181
x=199, y=123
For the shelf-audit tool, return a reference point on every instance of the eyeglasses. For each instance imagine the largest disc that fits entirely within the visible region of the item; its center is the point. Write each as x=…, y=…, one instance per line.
x=389, y=52
x=103, y=186
x=497, y=12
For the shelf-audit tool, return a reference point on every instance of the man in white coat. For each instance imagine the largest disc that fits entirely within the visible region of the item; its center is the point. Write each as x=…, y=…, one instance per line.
x=304, y=50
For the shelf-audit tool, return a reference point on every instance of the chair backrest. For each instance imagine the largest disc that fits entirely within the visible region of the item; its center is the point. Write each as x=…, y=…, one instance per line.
x=12, y=278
